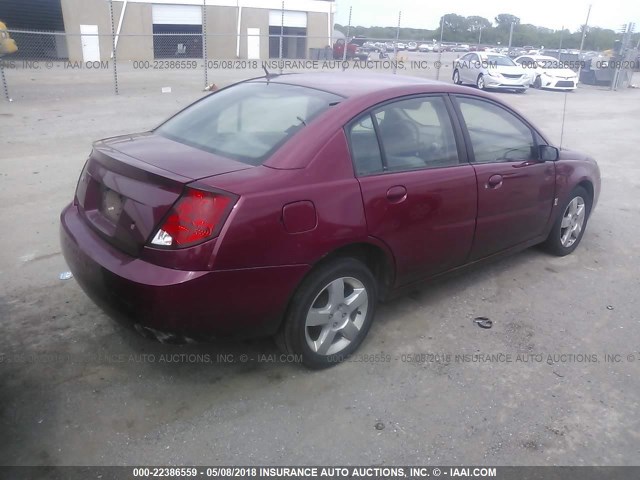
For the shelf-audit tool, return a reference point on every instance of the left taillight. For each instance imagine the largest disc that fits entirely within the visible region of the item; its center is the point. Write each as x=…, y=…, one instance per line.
x=197, y=216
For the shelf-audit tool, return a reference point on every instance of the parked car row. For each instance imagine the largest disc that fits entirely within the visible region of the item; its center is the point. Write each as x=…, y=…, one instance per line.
x=489, y=70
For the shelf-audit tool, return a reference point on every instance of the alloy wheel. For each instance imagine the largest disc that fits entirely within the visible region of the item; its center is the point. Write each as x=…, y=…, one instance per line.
x=336, y=316
x=572, y=222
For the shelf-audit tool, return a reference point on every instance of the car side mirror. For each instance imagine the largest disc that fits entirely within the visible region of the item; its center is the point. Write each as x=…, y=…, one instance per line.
x=548, y=153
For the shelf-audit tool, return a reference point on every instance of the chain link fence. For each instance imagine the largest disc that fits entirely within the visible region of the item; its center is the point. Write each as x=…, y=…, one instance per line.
x=58, y=64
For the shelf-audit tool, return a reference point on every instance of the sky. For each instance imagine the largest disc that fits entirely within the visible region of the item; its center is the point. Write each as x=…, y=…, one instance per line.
x=543, y=13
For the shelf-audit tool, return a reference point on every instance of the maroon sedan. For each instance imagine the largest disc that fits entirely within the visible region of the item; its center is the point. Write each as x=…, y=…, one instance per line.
x=289, y=205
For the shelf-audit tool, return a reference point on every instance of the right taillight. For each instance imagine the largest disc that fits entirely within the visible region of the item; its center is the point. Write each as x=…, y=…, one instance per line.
x=196, y=217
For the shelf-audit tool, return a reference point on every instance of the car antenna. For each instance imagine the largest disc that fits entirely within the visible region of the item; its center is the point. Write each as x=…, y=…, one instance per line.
x=564, y=113
x=267, y=74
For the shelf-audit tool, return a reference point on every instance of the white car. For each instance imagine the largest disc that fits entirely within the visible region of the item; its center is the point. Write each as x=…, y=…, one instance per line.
x=425, y=47
x=412, y=46
x=490, y=70
x=548, y=72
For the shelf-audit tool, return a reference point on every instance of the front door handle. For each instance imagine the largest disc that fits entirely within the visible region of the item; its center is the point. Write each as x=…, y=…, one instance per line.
x=495, y=181
x=397, y=194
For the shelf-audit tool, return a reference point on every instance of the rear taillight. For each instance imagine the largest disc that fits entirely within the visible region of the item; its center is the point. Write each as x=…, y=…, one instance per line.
x=196, y=216
x=81, y=186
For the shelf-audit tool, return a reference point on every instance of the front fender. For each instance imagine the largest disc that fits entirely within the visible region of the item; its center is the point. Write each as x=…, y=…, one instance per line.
x=574, y=169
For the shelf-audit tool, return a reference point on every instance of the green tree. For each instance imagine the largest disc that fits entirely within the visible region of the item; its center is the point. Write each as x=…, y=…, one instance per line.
x=466, y=29
x=504, y=20
x=476, y=23
x=454, y=25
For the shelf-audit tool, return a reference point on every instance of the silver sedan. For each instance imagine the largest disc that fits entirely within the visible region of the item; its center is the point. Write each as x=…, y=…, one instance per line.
x=490, y=70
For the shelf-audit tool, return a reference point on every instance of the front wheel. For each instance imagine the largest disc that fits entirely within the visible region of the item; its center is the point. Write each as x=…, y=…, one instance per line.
x=330, y=314
x=537, y=83
x=456, y=77
x=569, y=227
x=480, y=82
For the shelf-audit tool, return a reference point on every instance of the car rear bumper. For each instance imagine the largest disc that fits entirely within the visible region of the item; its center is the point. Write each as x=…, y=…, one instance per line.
x=240, y=303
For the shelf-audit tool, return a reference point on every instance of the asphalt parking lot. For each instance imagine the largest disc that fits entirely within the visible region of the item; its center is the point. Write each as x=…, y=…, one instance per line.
x=75, y=389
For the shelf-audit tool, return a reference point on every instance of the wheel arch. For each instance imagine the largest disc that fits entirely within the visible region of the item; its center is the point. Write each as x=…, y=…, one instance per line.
x=564, y=196
x=372, y=252
x=588, y=186
x=377, y=257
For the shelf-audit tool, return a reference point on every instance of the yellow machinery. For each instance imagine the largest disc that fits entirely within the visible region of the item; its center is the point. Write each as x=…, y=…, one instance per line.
x=7, y=44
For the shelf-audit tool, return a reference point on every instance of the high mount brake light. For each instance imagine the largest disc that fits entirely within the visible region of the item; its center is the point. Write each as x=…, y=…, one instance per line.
x=197, y=216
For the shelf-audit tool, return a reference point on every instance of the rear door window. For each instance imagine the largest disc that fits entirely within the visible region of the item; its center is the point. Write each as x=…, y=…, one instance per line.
x=416, y=133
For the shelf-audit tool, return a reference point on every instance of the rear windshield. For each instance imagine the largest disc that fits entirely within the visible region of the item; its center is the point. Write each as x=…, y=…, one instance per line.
x=249, y=121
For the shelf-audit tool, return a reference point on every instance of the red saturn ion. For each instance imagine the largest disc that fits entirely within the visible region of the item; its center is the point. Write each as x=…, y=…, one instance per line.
x=290, y=205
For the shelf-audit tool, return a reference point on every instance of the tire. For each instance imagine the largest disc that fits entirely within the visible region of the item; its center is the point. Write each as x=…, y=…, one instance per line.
x=562, y=239
x=480, y=82
x=456, y=77
x=340, y=328
x=537, y=83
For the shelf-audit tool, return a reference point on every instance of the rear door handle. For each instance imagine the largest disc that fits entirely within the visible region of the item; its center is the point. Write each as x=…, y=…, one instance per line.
x=494, y=181
x=397, y=194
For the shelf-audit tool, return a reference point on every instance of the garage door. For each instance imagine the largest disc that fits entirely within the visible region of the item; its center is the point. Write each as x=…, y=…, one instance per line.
x=291, y=18
x=177, y=15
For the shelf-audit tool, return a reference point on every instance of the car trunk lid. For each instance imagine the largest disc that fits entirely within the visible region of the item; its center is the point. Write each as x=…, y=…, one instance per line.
x=129, y=184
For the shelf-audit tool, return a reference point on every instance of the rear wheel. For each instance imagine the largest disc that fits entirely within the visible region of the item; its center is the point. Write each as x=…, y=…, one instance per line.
x=456, y=77
x=330, y=314
x=570, y=225
x=480, y=82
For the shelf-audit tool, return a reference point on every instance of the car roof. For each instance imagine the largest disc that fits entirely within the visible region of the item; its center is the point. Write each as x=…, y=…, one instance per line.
x=352, y=84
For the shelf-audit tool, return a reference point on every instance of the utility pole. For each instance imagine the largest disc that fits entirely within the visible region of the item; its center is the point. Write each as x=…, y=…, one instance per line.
x=584, y=34
x=395, y=45
x=281, y=35
x=440, y=48
x=346, y=40
x=480, y=37
x=510, y=36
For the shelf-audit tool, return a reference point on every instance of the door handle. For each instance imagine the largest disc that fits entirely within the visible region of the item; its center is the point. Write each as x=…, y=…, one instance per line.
x=397, y=194
x=494, y=181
